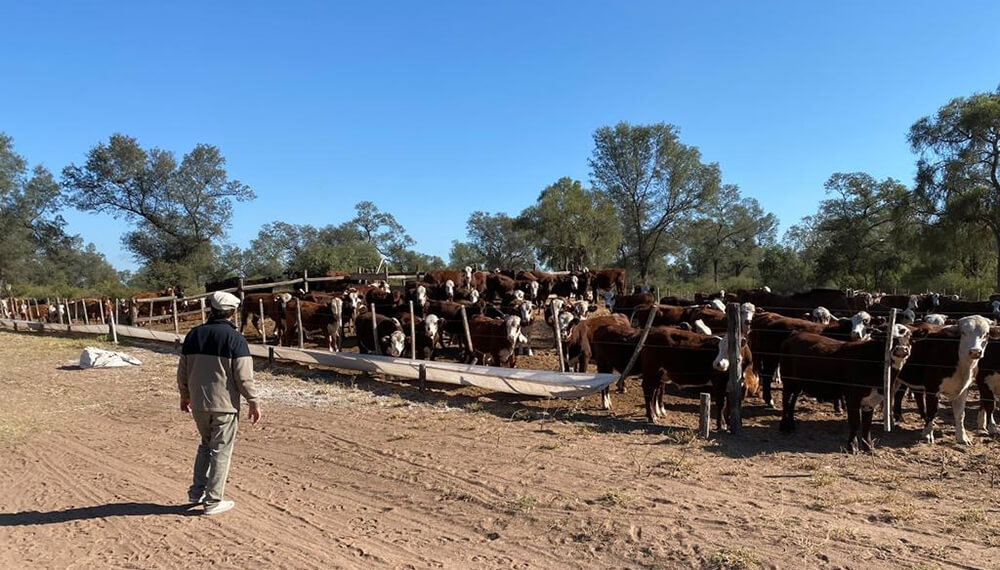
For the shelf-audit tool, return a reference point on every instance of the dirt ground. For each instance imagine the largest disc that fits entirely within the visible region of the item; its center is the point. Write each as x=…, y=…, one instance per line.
x=353, y=472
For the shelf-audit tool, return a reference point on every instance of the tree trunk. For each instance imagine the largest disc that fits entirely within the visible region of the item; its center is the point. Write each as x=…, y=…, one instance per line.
x=715, y=271
x=996, y=235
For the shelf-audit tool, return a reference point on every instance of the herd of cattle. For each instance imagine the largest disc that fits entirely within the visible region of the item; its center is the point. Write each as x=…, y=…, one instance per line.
x=825, y=343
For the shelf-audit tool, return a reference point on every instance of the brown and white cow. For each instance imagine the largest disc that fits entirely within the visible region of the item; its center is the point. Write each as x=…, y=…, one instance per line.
x=324, y=317
x=688, y=360
x=944, y=363
x=388, y=331
x=496, y=338
x=831, y=369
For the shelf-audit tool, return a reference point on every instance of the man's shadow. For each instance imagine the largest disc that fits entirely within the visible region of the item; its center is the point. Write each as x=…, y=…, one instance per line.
x=96, y=512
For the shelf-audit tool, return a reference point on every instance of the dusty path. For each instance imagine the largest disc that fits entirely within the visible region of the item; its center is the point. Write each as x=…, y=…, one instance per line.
x=97, y=462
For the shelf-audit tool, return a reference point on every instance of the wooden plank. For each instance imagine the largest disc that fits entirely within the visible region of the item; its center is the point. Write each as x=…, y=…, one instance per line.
x=887, y=373
x=735, y=388
x=705, y=414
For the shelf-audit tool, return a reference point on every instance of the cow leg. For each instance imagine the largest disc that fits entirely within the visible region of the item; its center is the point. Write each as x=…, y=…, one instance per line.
x=766, y=374
x=868, y=406
x=838, y=406
x=920, y=399
x=853, y=423
x=958, y=409
x=987, y=404
x=898, y=393
x=606, y=398
x=621, y=385
x=647, y=394
x=932, y=405
x=788, y=397
x=661, y=412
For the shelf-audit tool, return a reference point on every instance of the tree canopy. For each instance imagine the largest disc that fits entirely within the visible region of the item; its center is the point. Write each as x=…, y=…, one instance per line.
x=656, y=183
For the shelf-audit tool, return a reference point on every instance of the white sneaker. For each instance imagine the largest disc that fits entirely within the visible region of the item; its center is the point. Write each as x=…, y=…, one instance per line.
x=220, y=507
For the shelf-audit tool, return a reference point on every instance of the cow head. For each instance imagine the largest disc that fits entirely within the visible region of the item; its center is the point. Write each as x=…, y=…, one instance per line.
x=394, y=343
x=747, y=312
x=913, y=303
x=859, y=325
x=700, y=327
x=907, y=317
x=519, y=295
x=574, y=282
x=555, y=308
x=449, y=289
x=431, y=325
x=533, y=290
x=765, y=289
x=996, y=307
x=721, y=362
x=717, y=304
x=901, y=336
x=526, y=309
x=467, y=276
x=975, y=332
x=581, y=308
x=935, y=319
x=935, y=300
x=821, y=315
x=352, y=298
x=474, y=296
x=421, y=295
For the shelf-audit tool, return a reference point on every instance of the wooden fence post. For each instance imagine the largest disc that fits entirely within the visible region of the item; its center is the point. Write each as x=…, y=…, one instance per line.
x=113, y=325
x=133, y=312
x=422, y=376
x=557, y=338
x=471, y=356
x=305, y=280
x=270, y=356
x=413, y=333
x=704, y=417
x=59, y=312
x=263, y=325
x=735, y=388
x=86, y=317
x=100, y=306
x=371, y=308
x=238, y=315
x=638, y=348
x=298, y=323
x=177, y=328
x=201, y=304
x=887, y=373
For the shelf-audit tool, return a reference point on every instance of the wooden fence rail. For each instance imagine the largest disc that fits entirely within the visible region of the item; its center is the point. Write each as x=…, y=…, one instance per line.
x=510, y=380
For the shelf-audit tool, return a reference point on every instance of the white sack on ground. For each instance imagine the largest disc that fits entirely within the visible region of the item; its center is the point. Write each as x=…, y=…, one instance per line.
x=97, y=358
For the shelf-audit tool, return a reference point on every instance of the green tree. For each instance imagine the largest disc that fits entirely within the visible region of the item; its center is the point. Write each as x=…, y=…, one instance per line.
x=656, y=183
x=381, y=230
x=178, y=210
x=35, y=251
x=497, y=241
x=729, y=235
x=958, y=170
x=569, y=226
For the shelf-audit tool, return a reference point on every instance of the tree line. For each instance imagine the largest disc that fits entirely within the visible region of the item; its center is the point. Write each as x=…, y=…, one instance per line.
x=652, y=204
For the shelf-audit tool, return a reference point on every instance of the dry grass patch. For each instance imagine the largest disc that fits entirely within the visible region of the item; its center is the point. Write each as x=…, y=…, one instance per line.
x=733, y=559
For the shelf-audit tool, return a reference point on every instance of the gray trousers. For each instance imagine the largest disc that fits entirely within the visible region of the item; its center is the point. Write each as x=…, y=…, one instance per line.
x=211, y=464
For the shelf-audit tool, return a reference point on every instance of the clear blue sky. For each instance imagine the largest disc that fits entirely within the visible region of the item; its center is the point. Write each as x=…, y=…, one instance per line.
x=435, y=109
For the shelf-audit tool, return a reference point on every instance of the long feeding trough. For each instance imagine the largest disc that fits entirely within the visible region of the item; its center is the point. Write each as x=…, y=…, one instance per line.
x=538, y=383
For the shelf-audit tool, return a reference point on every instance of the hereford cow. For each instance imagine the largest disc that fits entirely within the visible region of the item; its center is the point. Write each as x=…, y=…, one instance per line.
x=315, y=317
x=831, y=369
x=769, y=330
x=439, y=277
x=496, y=338
x=988, y=381
x=391, y=339
x=612, y=279
x=957, y=309
x=274, y=309
x=689, y=360
x=944, y=362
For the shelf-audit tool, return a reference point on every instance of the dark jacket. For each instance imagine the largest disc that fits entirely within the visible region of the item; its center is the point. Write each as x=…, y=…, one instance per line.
x=215, y=368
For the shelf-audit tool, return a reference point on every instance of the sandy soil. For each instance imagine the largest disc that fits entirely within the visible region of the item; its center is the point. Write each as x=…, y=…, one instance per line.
x=355, y=472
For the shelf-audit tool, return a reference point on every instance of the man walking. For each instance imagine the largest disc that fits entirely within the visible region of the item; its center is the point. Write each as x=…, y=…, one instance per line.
x=214, y=370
